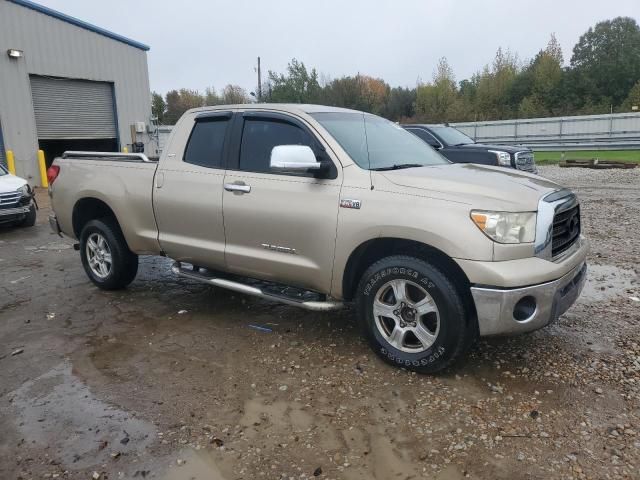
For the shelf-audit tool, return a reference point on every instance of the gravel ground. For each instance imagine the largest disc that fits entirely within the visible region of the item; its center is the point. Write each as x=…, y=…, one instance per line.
x=167, y=380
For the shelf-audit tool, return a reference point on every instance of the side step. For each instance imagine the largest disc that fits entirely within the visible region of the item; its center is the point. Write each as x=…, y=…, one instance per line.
x=231, y=284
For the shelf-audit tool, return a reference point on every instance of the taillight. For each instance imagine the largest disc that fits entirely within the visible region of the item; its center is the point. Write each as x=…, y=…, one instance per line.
x=52, y=173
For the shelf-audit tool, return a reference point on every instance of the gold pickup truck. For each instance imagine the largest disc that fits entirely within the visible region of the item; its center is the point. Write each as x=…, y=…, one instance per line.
x=317, y=207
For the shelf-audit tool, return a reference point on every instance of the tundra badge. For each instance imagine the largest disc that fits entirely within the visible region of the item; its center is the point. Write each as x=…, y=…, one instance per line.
x=350, y=203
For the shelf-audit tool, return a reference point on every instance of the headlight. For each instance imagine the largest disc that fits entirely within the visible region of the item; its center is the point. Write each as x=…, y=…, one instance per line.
x=506, y=227
x=504, y=158
x=24, y=190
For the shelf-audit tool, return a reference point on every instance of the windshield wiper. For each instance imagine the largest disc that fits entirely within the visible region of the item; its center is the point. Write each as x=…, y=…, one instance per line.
x=398, y=166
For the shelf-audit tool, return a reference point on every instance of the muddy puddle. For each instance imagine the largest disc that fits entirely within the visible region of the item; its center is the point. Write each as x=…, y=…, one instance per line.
x=194, y=465
x=57, y=411
x=605, y=282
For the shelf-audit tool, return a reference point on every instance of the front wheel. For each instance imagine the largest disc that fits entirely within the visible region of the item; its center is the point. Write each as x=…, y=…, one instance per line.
x=105, y=255
x=412, y=314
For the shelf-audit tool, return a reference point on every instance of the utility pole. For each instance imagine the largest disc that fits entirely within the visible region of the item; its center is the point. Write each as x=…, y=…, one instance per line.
x=259, y=82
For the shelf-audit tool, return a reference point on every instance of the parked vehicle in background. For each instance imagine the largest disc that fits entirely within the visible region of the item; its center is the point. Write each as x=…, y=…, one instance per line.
x=317, y=206
x=17, y=204
x=459, y=148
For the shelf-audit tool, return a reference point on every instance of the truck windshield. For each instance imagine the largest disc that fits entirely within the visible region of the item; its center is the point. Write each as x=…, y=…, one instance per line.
x=451, y=136
x=2, y=171
x=377, y=144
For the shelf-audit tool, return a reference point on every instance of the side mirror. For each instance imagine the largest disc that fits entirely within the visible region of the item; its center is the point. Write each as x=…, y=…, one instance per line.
x=293, y=159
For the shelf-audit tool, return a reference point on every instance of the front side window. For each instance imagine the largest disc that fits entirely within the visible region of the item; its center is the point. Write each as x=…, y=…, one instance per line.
x=2, y=170
x=378, y=144
x=206, y=143
x=260, y=135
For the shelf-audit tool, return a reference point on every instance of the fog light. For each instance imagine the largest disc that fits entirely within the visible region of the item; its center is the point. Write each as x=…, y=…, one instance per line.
x=524, y=309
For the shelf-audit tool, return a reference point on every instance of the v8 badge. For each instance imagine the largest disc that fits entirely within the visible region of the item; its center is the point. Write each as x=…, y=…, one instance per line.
x=350, y=203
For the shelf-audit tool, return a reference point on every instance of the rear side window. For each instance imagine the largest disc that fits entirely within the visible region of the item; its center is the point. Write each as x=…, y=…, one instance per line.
x=206, y=143
x=259, y=136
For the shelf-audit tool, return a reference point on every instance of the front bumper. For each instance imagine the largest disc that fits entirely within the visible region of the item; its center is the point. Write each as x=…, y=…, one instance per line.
x=13, y=214
x=519, y=310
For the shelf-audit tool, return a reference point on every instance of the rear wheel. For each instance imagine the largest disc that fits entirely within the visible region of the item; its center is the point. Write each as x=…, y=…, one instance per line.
x=106, y=258
x=412, y=314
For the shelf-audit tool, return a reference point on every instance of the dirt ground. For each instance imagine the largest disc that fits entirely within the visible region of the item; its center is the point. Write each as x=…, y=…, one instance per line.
x=169, y=380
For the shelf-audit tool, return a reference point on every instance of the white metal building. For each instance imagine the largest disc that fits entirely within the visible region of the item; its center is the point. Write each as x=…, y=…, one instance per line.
x=68, y=85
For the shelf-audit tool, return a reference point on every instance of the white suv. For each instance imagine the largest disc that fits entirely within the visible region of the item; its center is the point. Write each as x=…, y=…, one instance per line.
x=17, y=205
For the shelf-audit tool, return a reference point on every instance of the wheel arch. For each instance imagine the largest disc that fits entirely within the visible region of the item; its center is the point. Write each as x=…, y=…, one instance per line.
x=90, y=208
x=375, y=249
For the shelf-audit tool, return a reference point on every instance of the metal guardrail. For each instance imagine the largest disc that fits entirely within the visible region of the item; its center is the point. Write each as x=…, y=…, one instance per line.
x=620, y=131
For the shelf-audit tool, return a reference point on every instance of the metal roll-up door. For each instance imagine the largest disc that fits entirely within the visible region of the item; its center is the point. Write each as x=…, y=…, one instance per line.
x=73, y=109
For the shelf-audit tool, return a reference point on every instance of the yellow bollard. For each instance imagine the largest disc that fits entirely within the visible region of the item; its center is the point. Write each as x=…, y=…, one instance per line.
x=11, y=162
x=43, y=169
x=125, y=150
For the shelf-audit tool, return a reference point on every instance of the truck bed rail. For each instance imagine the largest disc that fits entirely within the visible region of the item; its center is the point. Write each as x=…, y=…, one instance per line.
x=124, y=157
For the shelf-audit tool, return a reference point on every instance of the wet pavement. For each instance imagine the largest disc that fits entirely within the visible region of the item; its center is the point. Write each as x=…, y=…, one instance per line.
x=167, y=379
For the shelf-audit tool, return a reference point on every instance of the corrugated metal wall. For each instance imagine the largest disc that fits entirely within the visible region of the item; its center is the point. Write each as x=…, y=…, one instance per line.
x=55, y=48
x=618, y=130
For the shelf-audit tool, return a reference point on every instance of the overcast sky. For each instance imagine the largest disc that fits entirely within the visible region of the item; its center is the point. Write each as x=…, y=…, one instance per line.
x=200, y=43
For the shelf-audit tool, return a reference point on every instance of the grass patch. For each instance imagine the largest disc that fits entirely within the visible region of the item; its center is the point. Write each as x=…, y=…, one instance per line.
x=550, y=158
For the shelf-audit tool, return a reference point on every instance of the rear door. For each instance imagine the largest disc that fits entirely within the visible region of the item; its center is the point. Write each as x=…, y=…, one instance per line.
x=188, y=190
x=279, y=226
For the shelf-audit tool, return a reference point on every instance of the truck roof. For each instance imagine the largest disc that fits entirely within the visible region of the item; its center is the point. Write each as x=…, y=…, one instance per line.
x=285, y=107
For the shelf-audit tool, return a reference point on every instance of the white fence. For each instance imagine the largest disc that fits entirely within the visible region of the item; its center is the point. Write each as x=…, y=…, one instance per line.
x=590, y=132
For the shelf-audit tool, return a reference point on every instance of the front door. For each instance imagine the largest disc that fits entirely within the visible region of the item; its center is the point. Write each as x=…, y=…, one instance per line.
x=279, y=226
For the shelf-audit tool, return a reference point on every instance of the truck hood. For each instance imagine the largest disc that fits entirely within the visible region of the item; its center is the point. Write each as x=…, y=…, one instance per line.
x=483, y=187
x=11, y=183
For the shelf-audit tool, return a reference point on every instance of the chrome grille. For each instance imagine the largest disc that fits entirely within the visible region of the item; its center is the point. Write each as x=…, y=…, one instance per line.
x=566, y=230
x=525, y=162
x=9, y=199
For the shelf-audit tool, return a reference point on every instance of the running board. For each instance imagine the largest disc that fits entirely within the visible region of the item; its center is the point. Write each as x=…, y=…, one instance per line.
x=218, y=281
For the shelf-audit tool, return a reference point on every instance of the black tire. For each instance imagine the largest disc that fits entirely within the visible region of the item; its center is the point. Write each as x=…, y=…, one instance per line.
x=453, y=335
x=30, y=219
x=124, y=263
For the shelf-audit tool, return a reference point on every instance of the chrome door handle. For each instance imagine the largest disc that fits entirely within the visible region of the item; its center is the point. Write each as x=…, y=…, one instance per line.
x=237, y=187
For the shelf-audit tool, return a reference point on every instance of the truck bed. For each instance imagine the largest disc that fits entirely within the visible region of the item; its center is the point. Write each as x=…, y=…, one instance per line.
x=123, y=181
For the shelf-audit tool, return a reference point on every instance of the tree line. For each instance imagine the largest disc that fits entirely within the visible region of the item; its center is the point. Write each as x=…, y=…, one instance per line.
x=603, y=75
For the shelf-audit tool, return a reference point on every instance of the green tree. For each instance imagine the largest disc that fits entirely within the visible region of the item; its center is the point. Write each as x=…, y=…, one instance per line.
x=344, y=92
x=607, y=61
x=233, y=95
x=543, y=80
x=400, y=104
x=494, y=84
x=179, y=101
x=297, y=86
x=158, y=107
x=633, y=99
x=211, y=97
x=438, y=101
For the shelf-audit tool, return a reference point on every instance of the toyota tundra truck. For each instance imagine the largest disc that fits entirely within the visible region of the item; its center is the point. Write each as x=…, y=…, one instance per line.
x=321, y=207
